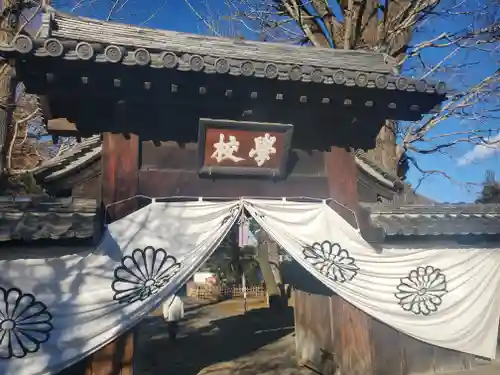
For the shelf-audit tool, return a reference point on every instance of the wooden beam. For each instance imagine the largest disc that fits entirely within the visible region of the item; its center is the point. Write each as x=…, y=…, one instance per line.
x=45, y=106
x=120, y=162
x=62, y=127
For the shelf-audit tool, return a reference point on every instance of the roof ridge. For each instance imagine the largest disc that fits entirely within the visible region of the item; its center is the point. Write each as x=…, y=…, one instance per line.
x=363, y=155
x=90, y=143
x=78, y=38
x=435, y=209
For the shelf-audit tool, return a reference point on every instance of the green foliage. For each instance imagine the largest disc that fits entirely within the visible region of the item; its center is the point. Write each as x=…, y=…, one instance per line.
x=229, y=261
x=491, y=189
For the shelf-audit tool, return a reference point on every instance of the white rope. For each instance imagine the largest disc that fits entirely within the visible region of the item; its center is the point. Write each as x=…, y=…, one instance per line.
x=201, y=199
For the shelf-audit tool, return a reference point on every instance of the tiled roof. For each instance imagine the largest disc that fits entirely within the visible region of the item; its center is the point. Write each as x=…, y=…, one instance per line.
x=374, y=169
x=80, y=155
x=402, y=193
x=77, y=38
x=436, y=219
x=408, y=196
x=29, y=219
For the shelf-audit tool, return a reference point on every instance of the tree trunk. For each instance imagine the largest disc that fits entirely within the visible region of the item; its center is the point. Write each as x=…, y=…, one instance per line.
x=8, y=27
x=362, y=30
x=270, y=270
x=384, y=153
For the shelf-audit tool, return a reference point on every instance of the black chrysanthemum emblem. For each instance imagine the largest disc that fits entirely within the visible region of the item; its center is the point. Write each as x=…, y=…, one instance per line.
x=331, y=260
x=422, y=290
x=25, y=323
x=142, y=274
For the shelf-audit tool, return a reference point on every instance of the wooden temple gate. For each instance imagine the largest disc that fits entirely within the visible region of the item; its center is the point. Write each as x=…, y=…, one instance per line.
x=147, y=91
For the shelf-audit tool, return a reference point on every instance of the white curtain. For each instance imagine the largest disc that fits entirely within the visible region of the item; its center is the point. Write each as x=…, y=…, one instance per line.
x=446, y=297
x=55, y=310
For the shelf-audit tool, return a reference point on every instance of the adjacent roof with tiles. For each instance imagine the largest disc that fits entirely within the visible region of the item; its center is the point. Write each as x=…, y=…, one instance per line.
x=436, y=219
x=386, y=178
x=77, y=38
x=367, y=164
x=30, y=219
x=77, y=157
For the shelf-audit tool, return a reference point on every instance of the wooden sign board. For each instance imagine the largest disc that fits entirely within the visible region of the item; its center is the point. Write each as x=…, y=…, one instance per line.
x=242, y=148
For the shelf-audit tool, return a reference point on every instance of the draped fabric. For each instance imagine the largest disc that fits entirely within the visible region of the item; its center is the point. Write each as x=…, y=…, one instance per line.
x=56, y=310
x=446, y=297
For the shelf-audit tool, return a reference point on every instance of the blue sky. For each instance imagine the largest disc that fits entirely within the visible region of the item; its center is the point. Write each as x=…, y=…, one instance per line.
x=179, y=15
x=480, y=65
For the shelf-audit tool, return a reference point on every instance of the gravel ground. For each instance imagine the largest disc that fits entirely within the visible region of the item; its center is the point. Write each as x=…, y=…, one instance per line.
x=218, y=339
x=491, y=369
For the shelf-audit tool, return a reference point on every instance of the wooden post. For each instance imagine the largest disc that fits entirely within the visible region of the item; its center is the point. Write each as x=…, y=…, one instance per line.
x=120, y=163
x=342, y=176
x=331, y=333
x=352, y=347
x=8, y=27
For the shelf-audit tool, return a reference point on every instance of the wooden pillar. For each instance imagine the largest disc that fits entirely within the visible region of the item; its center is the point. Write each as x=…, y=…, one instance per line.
x=330, y=332
x=116, y=358
x=351, y=331
x=120, y=164
x=342, y=176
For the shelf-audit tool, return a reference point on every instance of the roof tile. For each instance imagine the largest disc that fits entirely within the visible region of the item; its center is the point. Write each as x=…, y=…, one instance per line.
x=437, y=219
x=78, y=38
x=53, y=219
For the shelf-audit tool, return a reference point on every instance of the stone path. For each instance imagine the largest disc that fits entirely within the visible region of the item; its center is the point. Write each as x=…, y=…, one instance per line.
x=219, y=339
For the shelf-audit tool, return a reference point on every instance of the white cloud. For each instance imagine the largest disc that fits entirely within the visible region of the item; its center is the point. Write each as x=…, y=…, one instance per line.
x=482, y=151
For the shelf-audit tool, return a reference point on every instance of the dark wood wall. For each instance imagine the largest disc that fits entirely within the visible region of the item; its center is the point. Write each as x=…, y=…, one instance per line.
x=341, y=342
x=159, y=161
x=170, y=169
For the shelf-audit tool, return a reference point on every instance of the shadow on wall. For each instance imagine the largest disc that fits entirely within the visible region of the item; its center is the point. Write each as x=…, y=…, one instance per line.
x=299, y=278
x=222, y=340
